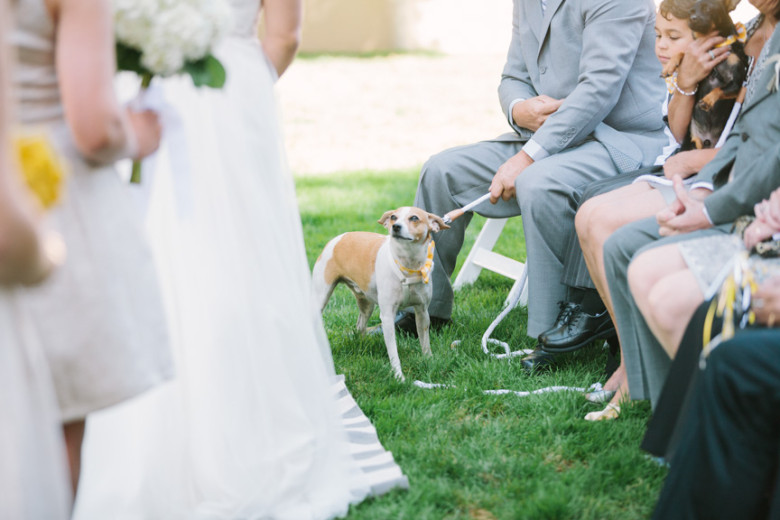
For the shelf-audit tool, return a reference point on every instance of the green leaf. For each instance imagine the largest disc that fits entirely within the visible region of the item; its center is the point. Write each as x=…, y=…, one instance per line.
x=206, y=72
x=129, y=59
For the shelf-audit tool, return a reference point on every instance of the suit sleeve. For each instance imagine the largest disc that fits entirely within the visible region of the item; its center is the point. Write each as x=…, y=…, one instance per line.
x=610, y=40
x=515, y=80
x=739, y=196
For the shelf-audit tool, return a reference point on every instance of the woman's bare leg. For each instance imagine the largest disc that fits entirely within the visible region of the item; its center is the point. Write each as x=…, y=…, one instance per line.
x=666, y=292
x=595, y=221
x=74, y=436
x=601, y=216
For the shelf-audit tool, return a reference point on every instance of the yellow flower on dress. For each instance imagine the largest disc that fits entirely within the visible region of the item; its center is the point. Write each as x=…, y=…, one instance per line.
x=41, y=168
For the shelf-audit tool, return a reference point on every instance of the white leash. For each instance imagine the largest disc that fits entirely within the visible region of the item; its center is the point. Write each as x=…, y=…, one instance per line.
x=508, y=352
x=595, y=387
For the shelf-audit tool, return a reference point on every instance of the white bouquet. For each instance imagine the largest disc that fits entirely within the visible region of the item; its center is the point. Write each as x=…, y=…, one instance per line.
x=168, y=37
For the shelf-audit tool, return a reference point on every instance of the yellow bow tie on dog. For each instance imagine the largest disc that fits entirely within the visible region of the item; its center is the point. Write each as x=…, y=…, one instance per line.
x=425, y=270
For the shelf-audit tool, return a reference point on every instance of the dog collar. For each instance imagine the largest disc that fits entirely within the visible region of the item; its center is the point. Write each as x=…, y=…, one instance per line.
x=741, y=36
x=423, y=272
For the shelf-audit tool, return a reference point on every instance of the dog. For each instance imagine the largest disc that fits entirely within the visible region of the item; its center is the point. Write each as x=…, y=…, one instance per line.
x=392, y=271
x=715, y=94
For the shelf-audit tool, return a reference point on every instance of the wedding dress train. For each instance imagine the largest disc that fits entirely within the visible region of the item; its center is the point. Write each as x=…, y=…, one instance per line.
x=256, y=423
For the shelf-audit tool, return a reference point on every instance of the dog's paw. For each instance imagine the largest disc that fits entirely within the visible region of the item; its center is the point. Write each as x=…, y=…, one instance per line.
x=704, y=105
x=671, y=66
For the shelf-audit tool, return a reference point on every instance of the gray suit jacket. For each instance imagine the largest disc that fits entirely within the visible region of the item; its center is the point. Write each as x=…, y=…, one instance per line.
x=599, y=56
x=747, y=168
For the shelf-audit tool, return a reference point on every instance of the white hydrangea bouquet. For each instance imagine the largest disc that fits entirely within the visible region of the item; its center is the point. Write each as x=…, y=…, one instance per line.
x=170, y=37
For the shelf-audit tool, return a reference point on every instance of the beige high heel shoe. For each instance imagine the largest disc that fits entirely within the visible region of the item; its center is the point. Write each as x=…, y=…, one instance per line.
x=611, y=411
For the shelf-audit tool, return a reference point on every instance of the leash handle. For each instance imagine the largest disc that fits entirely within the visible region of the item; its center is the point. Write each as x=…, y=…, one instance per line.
x=457, y=213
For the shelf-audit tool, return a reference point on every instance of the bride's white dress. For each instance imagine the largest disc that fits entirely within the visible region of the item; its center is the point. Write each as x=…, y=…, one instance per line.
x=256, y=423
x=33, y=472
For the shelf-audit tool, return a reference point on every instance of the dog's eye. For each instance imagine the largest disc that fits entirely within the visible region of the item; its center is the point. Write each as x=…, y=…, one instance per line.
x=414, y=218
x=393, y=218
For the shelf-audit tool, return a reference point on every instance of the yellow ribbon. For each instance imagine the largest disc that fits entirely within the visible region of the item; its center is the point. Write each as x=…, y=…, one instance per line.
x=425, y=270
x=741, y=36
x=670, y=84
x=740, y=281
x=42, y=171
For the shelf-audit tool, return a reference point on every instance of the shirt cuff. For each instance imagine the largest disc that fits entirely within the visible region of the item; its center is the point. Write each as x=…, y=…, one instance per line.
x=707, y=215
x=509, y=114
x=535, y=150
x=702, y=184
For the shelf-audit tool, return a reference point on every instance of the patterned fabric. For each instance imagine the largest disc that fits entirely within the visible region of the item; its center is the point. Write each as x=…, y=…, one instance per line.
x=757, y=65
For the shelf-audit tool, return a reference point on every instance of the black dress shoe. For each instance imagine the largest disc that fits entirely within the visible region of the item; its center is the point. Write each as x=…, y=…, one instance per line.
x=406, y=324
x=538, y=360
x=575, y=328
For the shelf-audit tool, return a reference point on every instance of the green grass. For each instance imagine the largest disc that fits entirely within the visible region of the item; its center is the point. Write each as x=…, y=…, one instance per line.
x=470, y=455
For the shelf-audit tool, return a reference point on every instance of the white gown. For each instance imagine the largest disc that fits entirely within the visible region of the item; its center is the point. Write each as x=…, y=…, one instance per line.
x=33, y=465
x=256, y=424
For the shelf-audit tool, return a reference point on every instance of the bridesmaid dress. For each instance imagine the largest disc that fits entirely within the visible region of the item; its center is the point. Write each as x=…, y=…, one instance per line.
x=100, y=317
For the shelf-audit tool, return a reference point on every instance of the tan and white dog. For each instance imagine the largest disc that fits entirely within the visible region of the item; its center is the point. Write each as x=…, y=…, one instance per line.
x=390, y=271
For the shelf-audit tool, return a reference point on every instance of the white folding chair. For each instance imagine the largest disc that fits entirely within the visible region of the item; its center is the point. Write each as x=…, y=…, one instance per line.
x=482, y=256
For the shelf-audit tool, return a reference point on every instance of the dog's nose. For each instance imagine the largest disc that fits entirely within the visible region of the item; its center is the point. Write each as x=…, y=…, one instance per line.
x=396, y=227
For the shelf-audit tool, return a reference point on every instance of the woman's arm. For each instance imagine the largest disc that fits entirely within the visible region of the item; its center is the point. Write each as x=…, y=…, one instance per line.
x=688, y=163
x=694, y=67
x=282, y=31
x=102, y=130
x=21, y=252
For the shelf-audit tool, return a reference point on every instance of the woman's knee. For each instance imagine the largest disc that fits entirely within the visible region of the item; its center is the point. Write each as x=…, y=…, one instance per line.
x=582, y=220
x=597, y=223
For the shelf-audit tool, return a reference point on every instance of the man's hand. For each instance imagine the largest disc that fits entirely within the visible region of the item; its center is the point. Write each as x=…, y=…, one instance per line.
x=503, y=185
x=684, y=215
x=531, y=113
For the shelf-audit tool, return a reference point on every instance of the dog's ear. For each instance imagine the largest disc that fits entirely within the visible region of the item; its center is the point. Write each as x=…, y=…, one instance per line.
x=386, y=216
x=437, y=224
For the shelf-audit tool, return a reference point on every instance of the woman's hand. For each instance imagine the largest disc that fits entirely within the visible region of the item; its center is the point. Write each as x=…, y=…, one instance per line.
x=767, y=222
x=700, y=58
x=147, y=132
x=756, y=232
x=768, y=211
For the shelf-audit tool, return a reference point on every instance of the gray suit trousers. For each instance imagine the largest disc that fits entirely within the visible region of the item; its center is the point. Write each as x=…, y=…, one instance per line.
x=647, y=363
x=575, y=270
x=546, y=196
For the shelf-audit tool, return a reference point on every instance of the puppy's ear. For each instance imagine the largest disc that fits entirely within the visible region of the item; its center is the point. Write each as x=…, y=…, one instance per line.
x=437, y=224
x=386, y=216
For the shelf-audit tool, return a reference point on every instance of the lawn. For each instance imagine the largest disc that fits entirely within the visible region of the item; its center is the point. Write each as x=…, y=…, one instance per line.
x=470, y=455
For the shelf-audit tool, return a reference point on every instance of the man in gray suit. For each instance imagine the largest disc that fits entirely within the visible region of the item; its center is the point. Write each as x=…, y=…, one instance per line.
x=745, y=171
x=582, y=93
